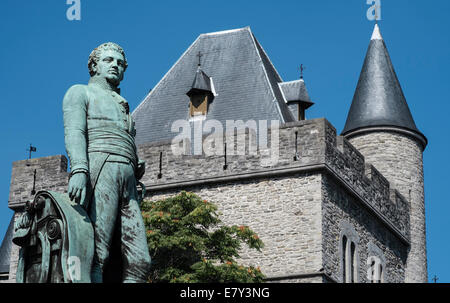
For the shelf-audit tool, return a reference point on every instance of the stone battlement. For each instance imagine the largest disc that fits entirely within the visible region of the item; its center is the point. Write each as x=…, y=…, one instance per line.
x=51, y=174
x=304, y=146
x=318, y=148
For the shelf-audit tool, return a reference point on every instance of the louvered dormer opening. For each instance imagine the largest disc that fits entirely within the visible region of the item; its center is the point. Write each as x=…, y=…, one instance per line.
x=201, y=94
x=198, y=105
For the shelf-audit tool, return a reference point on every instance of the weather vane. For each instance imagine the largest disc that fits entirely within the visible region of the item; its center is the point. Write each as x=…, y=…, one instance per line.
x=302, y=68
x=199, y=55
x=31, y=149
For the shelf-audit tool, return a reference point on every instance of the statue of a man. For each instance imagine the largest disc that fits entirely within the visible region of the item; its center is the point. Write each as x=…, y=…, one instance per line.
x=99, y=137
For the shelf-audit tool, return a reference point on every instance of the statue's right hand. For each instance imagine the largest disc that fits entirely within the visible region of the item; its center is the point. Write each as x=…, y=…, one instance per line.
x=77, y=187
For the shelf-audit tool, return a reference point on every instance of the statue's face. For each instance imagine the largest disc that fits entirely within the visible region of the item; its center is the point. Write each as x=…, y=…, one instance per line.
x=110, y=66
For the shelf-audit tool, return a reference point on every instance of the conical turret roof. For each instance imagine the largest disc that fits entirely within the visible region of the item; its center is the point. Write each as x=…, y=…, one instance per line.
x=379, y=100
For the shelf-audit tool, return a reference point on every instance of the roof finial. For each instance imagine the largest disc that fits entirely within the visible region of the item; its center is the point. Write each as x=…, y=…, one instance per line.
x=199, y=55
x=302, y=68
x=376, y=35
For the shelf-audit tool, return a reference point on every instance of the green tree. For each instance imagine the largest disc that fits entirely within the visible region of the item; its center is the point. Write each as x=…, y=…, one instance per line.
x=188, y=243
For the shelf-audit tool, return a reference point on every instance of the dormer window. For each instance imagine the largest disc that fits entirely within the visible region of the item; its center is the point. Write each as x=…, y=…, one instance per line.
x=201, y=94
x=297, y=98
x=198, y=105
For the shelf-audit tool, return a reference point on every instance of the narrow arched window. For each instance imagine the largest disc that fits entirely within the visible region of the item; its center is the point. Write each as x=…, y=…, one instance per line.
x=380, y=278
x=352, y=262
x=349, y=257
x=372, y=271
x=376, y=265
x=344, y=256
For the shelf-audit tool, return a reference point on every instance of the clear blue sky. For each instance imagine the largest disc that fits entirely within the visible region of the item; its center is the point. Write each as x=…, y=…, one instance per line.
x=44, y=54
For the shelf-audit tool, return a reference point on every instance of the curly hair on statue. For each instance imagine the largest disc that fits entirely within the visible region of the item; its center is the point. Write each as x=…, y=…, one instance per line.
x=95, y=55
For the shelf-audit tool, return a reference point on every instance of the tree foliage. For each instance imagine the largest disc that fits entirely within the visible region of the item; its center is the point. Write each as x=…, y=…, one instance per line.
x=188, y=242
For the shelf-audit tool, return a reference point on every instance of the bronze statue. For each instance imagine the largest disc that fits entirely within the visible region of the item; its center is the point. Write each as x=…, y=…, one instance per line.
x=99, y=136
x=95, y=232
x=56, y=239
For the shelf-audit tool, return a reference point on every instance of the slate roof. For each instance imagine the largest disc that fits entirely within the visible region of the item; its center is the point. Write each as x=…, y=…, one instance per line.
x=5, y=248
x=379, y=99
x=245, y=82
x=295, y=91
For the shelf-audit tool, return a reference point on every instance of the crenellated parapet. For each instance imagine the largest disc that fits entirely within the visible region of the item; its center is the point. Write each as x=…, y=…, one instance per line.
x=310, y=145
x=367, y=182
x=30, y=176
x=303, y=146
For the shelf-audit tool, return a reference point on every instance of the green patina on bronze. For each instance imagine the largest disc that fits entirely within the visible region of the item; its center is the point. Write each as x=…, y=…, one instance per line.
x=57, y=241
x=105, y=170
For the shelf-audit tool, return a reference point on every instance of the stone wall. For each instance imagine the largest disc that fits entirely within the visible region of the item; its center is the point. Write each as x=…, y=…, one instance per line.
x=320, y=152
x=307, y=278
x=399, y=158
x=282, y=201
x=284, y=211
x=51, y=174
x=367, y=183
x=341, y=210
x=318, y=148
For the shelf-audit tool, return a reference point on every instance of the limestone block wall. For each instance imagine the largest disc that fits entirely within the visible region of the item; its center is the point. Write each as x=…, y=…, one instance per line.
x=187, y=167
x=365, y=181
x=51, y=174
x=399, y=158
x=285, y=212
x=341, y=210
x=317, y=147
x=282, y=201
x=320, y=152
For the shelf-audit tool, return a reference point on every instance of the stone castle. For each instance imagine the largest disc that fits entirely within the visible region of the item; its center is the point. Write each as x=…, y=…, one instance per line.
x=331, y=208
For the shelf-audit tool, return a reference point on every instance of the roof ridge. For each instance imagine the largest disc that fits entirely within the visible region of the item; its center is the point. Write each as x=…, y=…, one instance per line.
x=249, y=84
x=255, y=44
x=164, y=77
x=282, y=92
x=227, y=31
x=283, y=110
x=181, y=57
x=292, y=81
x=265, y=53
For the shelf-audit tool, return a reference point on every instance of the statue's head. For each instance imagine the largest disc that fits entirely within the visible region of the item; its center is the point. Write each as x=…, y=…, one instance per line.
x=108, y=61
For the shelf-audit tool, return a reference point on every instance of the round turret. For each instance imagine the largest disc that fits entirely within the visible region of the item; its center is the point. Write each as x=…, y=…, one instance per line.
x=381, y=127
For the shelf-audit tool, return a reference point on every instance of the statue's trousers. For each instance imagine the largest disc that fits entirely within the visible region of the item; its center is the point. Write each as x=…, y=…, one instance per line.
x=115, y=200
